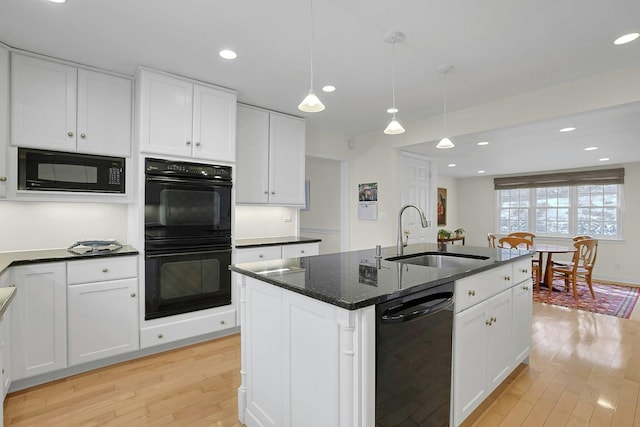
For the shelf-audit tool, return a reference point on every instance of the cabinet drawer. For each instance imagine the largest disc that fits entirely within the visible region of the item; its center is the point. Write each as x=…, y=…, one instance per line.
x=182, y=329
x=101, y=269
x=263, y=253
x=477, y=288
x=521, y=270
x=299, y=250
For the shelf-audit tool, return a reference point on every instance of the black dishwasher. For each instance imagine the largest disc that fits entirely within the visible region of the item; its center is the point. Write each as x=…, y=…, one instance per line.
x=413, y=358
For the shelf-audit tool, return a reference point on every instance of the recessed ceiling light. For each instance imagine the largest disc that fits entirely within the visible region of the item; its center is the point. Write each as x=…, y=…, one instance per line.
x=329, y=88
x=604, y=159
x=392, y=110
x=627, y=38
x=481, y=171
x=590, y=148
x=567, y=129
x=452, y=165
x=57, y=1
x=483, y=143
x=228, y=54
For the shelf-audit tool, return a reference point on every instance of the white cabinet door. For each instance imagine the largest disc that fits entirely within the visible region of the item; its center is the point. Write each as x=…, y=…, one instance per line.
x=521, y=331
x=39, y=329
x=43, y=104
x=103, y=320
x=252, y=159
x=469, y=361
x=499, y=339
x=286, y=160
x=4, y=119
x=166, y=114
x=270, y=158
x=214, y=124
x=104, y=114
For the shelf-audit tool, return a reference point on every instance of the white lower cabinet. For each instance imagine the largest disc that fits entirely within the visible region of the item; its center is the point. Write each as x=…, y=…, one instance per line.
x=39, y=328
x=102, y=308
x=491, y=335
x=103, y=320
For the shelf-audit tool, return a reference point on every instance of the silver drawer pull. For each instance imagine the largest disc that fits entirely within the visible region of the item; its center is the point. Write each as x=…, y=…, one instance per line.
x=222, y=322
x=160, y=336
x=105, y=270
x=472, y=292
x=133, y=295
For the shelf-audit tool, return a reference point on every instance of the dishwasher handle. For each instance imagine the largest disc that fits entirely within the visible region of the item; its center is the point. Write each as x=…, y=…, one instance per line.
x=411, y=311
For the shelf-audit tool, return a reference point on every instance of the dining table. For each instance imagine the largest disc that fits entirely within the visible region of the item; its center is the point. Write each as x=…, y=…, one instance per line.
x=549, y=250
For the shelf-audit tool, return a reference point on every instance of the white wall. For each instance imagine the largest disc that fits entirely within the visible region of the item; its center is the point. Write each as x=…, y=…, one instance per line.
x=265, y=221
x=617, y=260
x=322, y=220
x=45, y=225
x=375, y=156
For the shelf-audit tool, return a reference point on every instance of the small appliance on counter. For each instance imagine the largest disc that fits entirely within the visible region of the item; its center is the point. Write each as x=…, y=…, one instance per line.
x=93, y=247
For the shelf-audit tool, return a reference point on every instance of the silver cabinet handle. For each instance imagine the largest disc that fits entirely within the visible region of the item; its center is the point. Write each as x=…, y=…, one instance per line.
x=266, y=192
x=302, y=251
x=188, y=142
x=3, y=178
x=273, y=192
x=105, y=270
x=222, y=322
x=197, y=144
x=83, y=136
x=133, y=295
x=472, y=292
x=160, y=336
x=69, y=133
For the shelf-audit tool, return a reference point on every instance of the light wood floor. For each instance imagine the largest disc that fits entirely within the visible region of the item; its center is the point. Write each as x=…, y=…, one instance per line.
x=585, y=370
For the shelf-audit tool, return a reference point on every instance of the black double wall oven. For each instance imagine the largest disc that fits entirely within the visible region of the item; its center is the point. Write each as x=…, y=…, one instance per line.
x=187, y=237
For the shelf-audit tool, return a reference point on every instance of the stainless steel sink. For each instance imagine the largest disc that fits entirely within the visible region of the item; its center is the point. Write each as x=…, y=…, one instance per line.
x=440, y=260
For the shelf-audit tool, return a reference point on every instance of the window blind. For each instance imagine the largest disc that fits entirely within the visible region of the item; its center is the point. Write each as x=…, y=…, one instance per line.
x=561, y=179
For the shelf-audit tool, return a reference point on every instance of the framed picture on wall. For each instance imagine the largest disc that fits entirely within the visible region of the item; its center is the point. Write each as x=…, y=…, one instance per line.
x=442, y=206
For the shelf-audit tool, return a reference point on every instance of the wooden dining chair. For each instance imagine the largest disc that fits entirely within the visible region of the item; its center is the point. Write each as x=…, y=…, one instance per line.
x=536, y=263
x=575, y=239
x=524, y=235
x=492, y=240
x=584, y=258
x=515, y=242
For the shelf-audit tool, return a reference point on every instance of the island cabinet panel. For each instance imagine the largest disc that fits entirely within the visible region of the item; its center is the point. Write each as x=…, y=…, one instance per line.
x=522, y=312
x=301, y=360
x=39, y=330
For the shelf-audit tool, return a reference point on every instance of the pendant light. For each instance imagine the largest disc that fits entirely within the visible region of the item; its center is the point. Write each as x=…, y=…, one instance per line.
x=394, y=128
x=445, y=142
x=311, y=103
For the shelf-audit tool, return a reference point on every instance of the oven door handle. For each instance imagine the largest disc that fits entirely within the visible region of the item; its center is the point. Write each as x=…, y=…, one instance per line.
x=173, y=253
x=195, y=181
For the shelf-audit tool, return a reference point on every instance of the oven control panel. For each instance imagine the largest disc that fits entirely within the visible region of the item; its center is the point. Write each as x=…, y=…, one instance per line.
x=187, y=169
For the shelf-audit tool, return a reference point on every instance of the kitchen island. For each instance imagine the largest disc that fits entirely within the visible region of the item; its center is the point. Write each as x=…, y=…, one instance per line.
x=309, y=334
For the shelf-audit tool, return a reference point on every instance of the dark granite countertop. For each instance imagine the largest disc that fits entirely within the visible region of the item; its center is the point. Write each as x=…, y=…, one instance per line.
x=273, y=241
x=8, y=259
x=357, y=279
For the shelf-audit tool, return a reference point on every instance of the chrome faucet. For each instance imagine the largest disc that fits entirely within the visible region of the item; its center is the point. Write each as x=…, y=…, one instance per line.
x=423, y=220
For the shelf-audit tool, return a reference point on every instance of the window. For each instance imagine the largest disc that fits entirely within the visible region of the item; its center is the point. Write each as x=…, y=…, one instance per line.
x=582, y=206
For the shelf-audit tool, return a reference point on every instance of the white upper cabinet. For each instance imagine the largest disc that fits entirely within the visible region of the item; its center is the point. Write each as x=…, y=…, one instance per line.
x=59, y=107
x=270, y=158
x=178, y=117
x=4, y=118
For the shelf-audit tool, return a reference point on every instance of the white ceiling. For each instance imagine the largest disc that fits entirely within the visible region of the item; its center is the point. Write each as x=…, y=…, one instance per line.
x=499, y=48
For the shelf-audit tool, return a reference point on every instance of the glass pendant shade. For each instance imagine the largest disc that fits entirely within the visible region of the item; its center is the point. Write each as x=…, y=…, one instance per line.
x=394, y=128
x=311, y=103
x=445, y=143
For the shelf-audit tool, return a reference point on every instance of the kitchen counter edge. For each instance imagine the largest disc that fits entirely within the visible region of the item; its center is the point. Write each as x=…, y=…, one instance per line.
x=273, y=241
x=12, y=259
x=251, y=270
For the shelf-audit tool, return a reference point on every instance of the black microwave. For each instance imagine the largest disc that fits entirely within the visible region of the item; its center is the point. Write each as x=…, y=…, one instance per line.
x=44, y=170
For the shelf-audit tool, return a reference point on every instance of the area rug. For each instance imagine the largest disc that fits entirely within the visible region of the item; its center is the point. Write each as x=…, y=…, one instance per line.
x=613, y=300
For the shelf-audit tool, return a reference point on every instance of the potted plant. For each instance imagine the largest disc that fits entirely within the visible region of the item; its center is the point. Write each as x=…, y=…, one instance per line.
x=458, y=232
x=444, y=233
